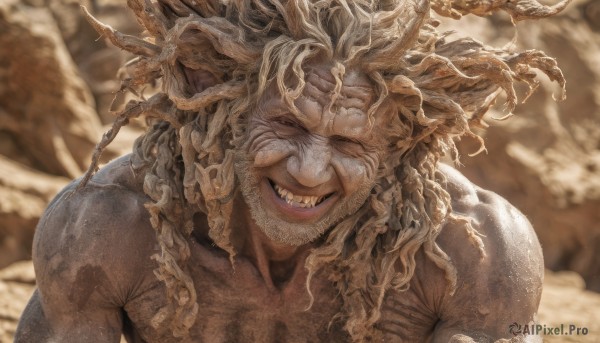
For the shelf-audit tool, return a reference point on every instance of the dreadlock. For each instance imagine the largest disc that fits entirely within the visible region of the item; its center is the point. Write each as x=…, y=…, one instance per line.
x=441, y=89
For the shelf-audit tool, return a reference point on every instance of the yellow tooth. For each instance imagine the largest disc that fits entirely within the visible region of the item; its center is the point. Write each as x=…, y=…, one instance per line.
x=297, y=200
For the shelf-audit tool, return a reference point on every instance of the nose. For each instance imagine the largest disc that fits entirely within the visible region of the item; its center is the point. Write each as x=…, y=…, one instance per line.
x=311, y=165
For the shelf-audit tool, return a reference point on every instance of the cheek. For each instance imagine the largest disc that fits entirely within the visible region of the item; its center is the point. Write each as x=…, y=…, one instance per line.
x=355, y=172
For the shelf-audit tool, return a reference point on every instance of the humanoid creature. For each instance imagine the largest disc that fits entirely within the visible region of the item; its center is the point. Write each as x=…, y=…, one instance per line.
x=289, y=187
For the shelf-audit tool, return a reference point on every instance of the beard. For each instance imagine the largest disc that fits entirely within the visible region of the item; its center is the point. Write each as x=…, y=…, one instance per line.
x=277, y=228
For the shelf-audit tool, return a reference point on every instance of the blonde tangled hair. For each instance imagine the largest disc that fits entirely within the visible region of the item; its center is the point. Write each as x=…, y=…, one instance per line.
x=441, y=89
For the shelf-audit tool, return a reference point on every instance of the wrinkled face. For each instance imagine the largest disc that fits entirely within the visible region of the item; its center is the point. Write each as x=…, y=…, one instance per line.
x=301, y=174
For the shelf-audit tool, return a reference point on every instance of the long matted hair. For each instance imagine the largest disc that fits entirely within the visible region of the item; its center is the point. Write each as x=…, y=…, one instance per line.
x=441, y=88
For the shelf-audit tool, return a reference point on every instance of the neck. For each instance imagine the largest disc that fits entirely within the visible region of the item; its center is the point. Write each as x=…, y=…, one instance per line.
x=277, y=262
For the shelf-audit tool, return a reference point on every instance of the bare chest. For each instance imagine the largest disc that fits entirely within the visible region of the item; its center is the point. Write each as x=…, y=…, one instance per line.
x=238, y=305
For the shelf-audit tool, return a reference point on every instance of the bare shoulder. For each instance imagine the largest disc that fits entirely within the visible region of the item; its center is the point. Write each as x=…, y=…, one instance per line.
x=500, y=283
x=506, y=233
x=96, y=238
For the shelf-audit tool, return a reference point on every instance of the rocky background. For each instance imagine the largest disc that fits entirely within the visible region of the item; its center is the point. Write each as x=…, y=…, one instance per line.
x=57, y=80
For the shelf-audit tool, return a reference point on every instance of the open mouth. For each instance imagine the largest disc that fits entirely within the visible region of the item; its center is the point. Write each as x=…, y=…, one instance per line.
x=298, y=201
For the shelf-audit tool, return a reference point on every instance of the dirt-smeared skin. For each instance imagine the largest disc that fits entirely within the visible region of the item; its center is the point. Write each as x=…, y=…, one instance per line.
x=291, y=182
x=92, y=258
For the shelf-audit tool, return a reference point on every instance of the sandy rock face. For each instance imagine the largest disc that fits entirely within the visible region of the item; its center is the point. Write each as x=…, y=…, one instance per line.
x=48, y=126
x=566, y=303
x=48, y=116
x=546, y=158
x=25, y=194
x=97, y=61
x=17, y=283
x=47, y=109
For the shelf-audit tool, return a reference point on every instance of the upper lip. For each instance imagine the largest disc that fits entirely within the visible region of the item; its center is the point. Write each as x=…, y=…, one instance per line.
x=293, y=210
x=300, y=191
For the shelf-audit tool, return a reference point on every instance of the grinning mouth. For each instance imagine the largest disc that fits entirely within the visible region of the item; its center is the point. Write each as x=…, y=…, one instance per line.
x=302, y=201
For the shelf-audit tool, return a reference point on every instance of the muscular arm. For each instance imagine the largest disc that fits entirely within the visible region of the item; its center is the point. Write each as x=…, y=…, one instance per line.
x=502, y=287
x=493, y=290
x=90, y=254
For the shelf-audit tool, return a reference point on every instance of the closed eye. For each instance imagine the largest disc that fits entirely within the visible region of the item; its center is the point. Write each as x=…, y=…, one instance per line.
x=287, y=122
x=348, y=146
x=345, y=140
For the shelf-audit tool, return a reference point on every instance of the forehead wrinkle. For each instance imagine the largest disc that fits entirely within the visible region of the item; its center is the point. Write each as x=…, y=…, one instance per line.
x=325, y=83
x=350, y=97
x=324, y=91
x=348, y=116
x=346, y=102
x=311, y=91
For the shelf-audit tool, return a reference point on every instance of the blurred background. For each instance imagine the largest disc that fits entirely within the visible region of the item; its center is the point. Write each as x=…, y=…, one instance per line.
x=58, y=78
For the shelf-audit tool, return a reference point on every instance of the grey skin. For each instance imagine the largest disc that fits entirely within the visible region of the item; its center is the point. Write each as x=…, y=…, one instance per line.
x=95, y=276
